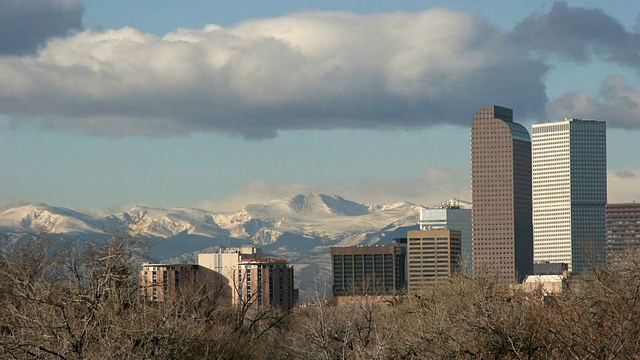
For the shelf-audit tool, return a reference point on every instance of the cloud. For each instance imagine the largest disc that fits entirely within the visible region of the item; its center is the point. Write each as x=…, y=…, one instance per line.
x=617, y=103
x=432, y=188
x=624, y=174
x=577, y=34
x=584, y=35
x=623, y=185
x=27, y=24
x=316, y=70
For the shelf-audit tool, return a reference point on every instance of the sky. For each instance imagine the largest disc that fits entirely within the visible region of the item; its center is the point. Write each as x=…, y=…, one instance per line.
x=219, y=104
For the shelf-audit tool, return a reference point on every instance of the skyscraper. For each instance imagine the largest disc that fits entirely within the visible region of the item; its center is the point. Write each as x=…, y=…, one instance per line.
x=502, y=228
x=570, y=192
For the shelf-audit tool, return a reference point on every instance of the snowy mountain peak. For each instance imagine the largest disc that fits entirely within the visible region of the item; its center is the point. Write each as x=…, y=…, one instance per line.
x=399, y=204
x=44, y=218
x=292, y=226
x=308, y=206
x=332, y=204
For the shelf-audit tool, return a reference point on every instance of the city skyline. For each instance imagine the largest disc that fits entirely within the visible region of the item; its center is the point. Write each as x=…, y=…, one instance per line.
x=220, y=105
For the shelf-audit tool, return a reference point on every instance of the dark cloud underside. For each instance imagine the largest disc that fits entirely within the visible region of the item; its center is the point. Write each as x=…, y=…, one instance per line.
x=27, y=24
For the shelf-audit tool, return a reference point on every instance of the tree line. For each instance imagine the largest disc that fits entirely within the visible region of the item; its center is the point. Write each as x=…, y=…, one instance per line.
x=83, y=301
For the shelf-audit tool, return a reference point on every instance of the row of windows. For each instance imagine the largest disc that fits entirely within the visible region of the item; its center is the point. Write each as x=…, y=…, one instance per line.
x=541, y=129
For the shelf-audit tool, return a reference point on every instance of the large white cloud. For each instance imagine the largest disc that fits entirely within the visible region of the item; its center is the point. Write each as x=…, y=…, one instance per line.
x=304, y=71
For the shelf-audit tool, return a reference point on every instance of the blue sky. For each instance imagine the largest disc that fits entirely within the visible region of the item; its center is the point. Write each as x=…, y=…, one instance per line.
x=107, y=104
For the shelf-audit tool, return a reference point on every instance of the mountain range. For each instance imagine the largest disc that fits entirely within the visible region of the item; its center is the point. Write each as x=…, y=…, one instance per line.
x=300, y=228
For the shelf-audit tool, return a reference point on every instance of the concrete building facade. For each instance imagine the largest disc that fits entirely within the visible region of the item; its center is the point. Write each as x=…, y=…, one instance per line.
x=226, y=260
x=432, y=255
x=368, y=270
x=623, y=231
x=502, y=226
x=569, y=192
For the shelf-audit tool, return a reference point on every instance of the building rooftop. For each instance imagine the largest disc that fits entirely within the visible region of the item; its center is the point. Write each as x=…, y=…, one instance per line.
x=263, y=260
x=576, y=120
x=165, y=265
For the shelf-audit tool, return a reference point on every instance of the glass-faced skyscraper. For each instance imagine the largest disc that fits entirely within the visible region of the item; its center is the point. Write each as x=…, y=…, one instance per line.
x=501, y=194
x=570, y=192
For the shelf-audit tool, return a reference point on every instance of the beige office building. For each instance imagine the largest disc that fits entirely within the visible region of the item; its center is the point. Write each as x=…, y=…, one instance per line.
x=432, y=255
x=369, y=270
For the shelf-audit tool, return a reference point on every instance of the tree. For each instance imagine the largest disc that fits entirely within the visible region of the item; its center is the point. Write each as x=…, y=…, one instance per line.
x=60, y=299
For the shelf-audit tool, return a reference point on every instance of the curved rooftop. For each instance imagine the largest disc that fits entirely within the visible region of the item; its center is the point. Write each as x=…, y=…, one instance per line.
x=518, y=131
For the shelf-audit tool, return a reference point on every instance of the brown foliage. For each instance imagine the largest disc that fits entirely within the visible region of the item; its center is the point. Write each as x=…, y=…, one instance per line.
x=71, y=301
x=83, y=302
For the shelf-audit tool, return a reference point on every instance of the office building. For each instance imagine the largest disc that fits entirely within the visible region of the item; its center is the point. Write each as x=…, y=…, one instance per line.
x=623, y=231
x=161, y=282
x=432, y=255
x=369, y=270
x=450, y=215
x=226, y=260
x=569, y=192
x=264, y=282
x=502, y=228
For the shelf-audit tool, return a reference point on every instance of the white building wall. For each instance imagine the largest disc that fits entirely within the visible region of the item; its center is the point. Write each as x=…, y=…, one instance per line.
x=225, y=261
x=569, y=192
x=451, y=218
x=551, y=171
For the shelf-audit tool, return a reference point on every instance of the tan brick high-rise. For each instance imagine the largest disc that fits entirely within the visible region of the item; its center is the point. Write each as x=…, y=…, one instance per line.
x=433, y=255
x=501, y=182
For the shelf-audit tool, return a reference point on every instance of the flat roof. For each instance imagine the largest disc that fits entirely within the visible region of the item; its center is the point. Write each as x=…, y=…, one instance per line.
x=263, y=260
x=165, y=265
x=367, y=249
x=543, y=279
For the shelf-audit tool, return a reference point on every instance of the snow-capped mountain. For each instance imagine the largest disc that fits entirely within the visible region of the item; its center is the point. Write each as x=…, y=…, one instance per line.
x=39, y=218
x=301, y=228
